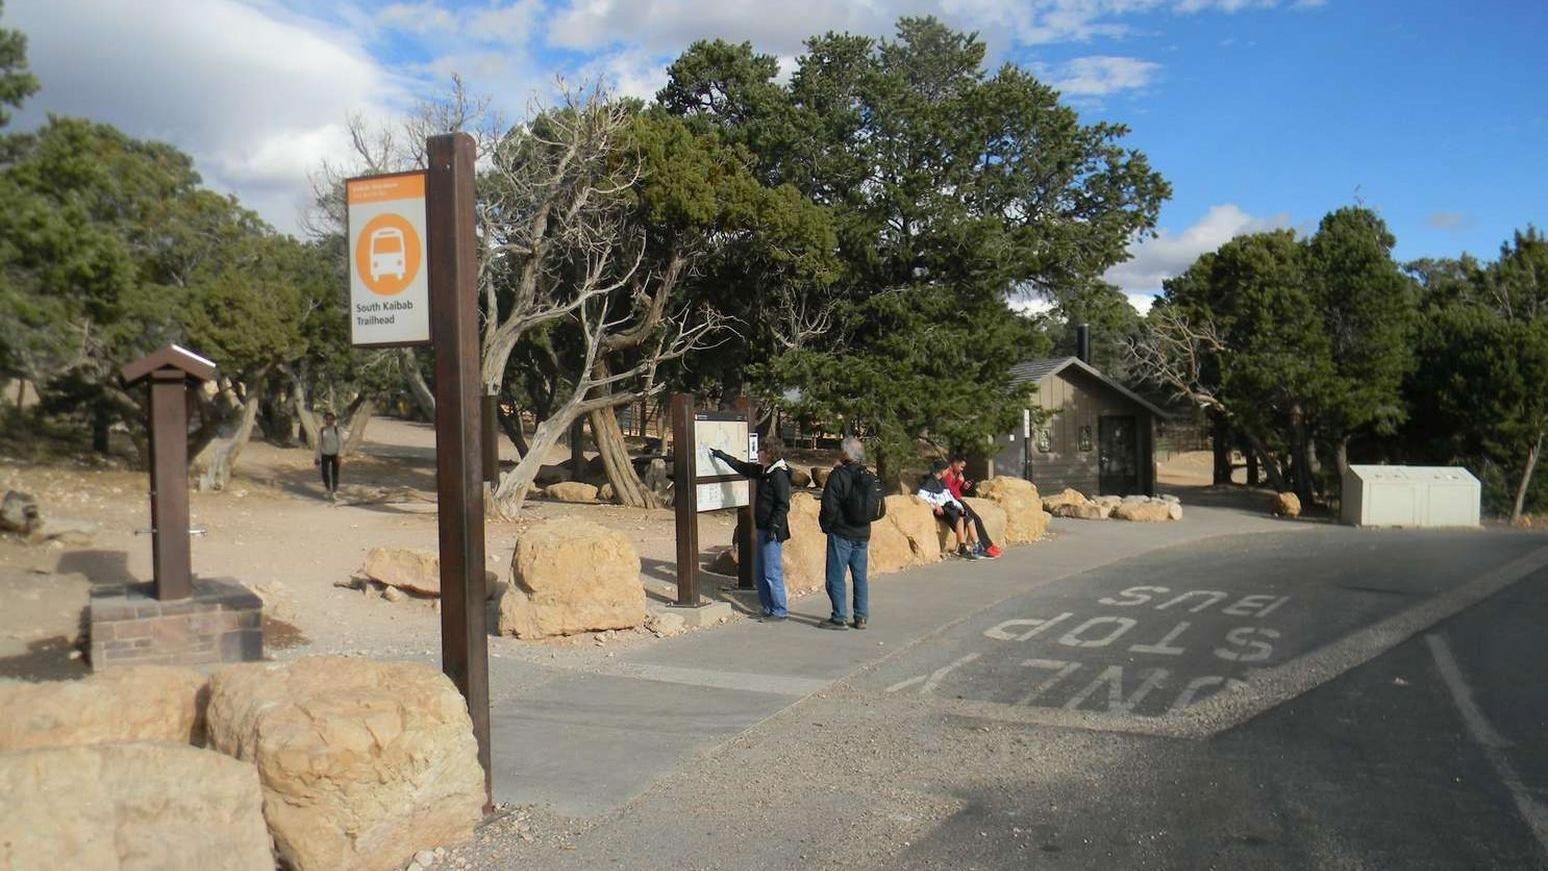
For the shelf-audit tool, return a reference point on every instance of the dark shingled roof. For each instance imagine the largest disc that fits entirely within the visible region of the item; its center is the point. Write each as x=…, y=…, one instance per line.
x=1037, y=370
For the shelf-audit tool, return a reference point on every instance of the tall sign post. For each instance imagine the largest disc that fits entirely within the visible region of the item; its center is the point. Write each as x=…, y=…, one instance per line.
x=703, y=483
x=412, y=281
x=171, y=371
x=746, y=519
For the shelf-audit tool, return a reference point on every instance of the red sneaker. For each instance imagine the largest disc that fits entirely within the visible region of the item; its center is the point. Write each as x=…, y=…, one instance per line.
x=993, y=552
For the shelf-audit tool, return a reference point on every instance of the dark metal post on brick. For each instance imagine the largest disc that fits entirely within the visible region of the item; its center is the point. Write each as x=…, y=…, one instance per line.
x=458, y=427
x=747, y=533
x=169, y=484
x=171, y=371
x=685, y=500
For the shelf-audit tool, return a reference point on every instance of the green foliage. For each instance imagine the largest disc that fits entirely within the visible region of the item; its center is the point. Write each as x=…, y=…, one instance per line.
x=16, y=84
x=949, y=189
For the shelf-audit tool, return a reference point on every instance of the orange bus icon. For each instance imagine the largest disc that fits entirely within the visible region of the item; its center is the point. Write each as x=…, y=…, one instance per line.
x=387, y=254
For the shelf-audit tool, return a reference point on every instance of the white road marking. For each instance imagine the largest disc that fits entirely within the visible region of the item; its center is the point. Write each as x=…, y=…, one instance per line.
x=932, y=680
x=774, y=684
x=1493, y=744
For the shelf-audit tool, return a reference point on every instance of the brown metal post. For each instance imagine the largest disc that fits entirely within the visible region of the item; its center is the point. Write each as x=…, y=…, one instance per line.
x=169, y=484
x=491, y=439
x=685, y=499
x=458, y=427
x=746, y=529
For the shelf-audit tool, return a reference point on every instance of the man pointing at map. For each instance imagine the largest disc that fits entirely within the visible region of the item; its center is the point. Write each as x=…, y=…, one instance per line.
x=771, y=517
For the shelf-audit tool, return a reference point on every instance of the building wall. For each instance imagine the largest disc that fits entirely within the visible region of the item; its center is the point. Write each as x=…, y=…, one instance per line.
x=1076, y=400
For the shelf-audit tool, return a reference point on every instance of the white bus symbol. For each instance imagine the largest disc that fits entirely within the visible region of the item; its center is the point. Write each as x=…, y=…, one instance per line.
x=387, y=254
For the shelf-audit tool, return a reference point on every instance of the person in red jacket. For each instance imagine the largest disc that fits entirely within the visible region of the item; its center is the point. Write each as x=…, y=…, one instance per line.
x=957, y=482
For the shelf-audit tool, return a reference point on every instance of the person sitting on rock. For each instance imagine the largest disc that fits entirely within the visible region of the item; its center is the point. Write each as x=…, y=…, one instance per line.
x=948, y=508
x=957, y=482
x=771, y=518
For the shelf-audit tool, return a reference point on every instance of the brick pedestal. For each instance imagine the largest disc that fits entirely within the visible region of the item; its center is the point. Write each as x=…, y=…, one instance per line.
x=221, y=622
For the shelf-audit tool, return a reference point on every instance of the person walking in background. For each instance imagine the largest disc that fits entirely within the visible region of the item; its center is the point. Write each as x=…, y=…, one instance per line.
x=932, y=490
x=329, y=443
x=851, y=501
x=771, y=518
x=957, y=482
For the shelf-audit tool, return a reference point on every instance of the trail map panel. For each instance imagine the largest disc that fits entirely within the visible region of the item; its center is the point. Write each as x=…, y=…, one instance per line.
x=725, y=435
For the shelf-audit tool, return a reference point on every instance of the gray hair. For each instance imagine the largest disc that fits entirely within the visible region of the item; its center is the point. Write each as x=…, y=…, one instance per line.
x=854, y=450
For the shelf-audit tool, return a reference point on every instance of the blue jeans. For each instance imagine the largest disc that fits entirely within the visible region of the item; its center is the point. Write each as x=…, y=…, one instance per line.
x=851, y=554
x=771, y=574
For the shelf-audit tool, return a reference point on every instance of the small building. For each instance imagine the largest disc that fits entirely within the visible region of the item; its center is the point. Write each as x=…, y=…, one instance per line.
x=1099, y=437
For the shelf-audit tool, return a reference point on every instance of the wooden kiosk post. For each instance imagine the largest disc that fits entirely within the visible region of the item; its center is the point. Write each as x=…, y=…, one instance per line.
x=171, y=371
x=695, y=491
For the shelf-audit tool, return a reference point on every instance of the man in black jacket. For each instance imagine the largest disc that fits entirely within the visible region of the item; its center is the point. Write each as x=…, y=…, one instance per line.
x=771, y=517
x=849, y=536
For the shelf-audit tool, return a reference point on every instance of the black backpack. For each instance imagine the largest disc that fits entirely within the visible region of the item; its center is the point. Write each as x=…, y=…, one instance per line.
x=867, y=501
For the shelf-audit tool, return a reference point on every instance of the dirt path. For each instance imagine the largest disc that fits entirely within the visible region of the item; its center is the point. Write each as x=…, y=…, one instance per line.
x=272, y=530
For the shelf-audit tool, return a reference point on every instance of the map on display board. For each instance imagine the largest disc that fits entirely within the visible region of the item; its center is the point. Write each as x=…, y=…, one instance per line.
x=729, y=436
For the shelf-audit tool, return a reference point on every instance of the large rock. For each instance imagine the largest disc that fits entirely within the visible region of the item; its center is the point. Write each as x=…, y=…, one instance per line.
x=1080, y=511
x=1069, y=496
x=132, y=703
x=418, y=571
x=1286, y=505
x=820, y=475
x=19, y=513
x=549, y=475
x=131, y=807
x=571, y=491
x=905, y=537
x=362, y=763
x=1025, y=518
x=800, y=478
x=805, y=554
x=570, y=576
x=1144, y=512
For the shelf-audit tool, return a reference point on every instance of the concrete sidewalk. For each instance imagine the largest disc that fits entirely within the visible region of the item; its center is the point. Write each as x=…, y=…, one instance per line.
x=586, y=742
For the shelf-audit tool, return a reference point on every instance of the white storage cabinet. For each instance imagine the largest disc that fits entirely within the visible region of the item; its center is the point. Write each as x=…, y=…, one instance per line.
x=1411, y=496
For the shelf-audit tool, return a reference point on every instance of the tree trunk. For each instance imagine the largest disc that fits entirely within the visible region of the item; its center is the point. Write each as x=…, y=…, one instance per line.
x=1301, y=452
x=215, y=464
x=1271, y=468
x=101, y=420
x=423, y=397
x=1221, y=442
x=627, y=487
x=308, y=418
x=577, y=448
x=514, y=484
x=1253, y=475
x=357, y=419
x=1526, y=478
x=1341, y=457
x=510, y=424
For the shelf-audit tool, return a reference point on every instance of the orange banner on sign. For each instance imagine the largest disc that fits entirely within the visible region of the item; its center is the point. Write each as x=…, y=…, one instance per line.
x=382, y=188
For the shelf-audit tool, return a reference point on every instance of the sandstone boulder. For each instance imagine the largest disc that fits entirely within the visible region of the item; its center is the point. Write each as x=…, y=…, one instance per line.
x=725, y=562
x=362, y=763
x=570, y=576
x=133, y=703
x=666, y=624
x=905, y=537
x=605, y=494
x=805, y=554
x=19, y=513
x=1025, y=519
x=1143, y=512
x=1286, y=505
x=571, y=491
x=1174, y=509
x=1069, y=496
x=131, y=807
x=800, y=478
x=549, y=475
x=417, y=571
x=820, y=475
x=1080, y=511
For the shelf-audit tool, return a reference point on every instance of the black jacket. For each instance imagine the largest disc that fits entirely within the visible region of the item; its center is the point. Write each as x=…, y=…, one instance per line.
x=772, y=513
x=836, y=494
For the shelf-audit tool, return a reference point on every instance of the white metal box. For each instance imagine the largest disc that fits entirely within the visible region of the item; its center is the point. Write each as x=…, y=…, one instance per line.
x=1412, y=496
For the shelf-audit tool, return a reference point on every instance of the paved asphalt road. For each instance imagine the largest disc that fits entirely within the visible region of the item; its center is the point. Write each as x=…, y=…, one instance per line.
x=1316, y=698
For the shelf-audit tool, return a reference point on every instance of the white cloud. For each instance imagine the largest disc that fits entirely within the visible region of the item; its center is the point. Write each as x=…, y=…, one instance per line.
x=256, y=97
x=1448, y=221
x=1100, y=75
x=1168, y=254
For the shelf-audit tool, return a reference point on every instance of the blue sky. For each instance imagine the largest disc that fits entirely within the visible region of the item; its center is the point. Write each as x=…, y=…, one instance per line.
x=1262, y=113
